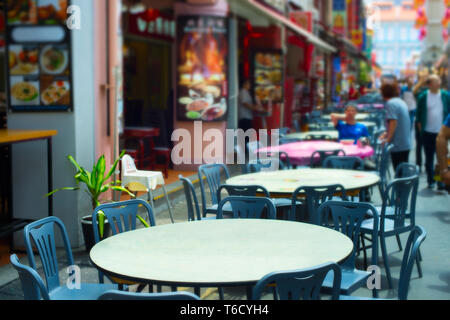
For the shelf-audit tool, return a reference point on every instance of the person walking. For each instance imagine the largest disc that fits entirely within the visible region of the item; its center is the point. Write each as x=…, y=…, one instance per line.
x=420, y=88
x=442, y=151
x=399, y=124
x=433, y=107
x=246, y=107
x=408, y=96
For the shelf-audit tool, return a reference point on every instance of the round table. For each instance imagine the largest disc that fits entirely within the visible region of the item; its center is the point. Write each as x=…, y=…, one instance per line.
x=214, y=253
x=285, y=182
x=358, y=117
x=300, y=152
x=334, y=134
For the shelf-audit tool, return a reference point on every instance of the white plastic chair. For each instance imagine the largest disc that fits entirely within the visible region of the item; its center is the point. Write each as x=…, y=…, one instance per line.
x=143, y=181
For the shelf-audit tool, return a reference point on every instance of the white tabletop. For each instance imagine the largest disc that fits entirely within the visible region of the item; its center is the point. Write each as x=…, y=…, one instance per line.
x=218, y=252
x=287, y=181
x=358, y=117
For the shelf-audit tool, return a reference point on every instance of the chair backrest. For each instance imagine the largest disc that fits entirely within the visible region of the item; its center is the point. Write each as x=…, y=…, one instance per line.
x=254, y=146
x=383, y=164
x=318, y=137
x=415, y=239
x=300, y=284
x=269, y=164
x=401, y=195
x=323, y=154
x=42, y=232
x=213, y=175
x=406, y=170
x=346, y=217
x=32, y=285
x=248, y=207
x=128, y=165
x=242, y=191
x=285, y=161
x=284, y=131
x=193, y=207
x=348, y=163
x=121, y=216
x=314, y=196
x=125, y=295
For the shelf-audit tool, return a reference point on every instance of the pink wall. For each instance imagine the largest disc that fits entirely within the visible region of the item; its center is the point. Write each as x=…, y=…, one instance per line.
x=104, y=144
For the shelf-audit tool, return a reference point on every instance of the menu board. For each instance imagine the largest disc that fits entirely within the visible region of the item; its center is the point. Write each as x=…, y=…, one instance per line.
x=38, y=47
x=202, y=65
x=268, y=76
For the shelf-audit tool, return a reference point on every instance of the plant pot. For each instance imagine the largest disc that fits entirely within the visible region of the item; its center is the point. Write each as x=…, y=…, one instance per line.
x=88, y=232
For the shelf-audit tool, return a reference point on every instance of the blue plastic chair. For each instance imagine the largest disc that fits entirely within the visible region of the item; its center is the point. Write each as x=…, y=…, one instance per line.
x=323, y=154
x=403, y=194
x=212, y=173
x=303, y=284
x=415, y=239
x=347, y=218
x=121, y=295
x=285, y=161
x=346, y=163
x=194, y=212
x=262, y=164
x=42, y=232
x=122, y=217
x=33, y=286
x=248, y=207
x=314, y=196
x=383, y=167
x=405, y=170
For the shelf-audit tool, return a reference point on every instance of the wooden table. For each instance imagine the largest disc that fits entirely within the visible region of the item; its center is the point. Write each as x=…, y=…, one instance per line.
x=283, y=183
x=216, y=253
x=9, y=137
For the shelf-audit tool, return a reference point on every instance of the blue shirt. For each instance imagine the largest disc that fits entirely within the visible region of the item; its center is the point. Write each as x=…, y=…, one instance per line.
x=349, y=131
x=447, y=121
x=396, y=109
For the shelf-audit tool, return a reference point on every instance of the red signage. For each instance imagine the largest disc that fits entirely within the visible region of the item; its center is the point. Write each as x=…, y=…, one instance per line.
x=302, y=19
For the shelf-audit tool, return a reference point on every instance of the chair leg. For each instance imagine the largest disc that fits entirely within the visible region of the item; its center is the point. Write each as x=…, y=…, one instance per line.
x=419, y=268
x=249, y=293
x=159, y=288
x=364, y=252
x=419, y=255
x=197, y=291
x=141, y=287
x=399, y=242
x=385, y=261
x=221, y=294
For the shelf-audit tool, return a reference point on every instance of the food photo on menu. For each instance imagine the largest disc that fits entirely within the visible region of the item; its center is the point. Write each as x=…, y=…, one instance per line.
x=202, y=69
x=23, y=60
x=54, y=92
x=24, y=90
x=268, y=77
x=36, y=11
x=54, y=59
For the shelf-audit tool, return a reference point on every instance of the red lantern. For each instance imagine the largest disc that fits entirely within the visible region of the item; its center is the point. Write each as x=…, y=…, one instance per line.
x=447, y=3
x=419, y=3
x=445, y=35
x=422, y=33
x=421, y=20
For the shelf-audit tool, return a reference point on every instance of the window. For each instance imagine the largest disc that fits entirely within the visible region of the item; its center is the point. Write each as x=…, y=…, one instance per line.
x=414, y=34
x=380, y=34
x=390, y=33
x=404, y=34
x=389, y=56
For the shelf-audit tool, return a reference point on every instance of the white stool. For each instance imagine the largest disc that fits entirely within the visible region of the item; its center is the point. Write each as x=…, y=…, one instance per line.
x=143, y=181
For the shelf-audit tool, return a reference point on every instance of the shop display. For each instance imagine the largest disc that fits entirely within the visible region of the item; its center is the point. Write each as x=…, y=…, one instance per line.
x=202, y=91
x=268, y=76
x=39, y=73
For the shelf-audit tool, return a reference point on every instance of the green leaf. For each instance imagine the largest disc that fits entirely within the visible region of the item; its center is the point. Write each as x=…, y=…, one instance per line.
x=101, y=223
x=143, y=221
x=113, y=168
x=100, y=173
x=57, y=190
x=117, y=188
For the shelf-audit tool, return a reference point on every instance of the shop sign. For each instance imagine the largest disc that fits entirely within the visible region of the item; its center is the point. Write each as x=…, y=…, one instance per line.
x=278, y=5
x=267, y=76
x=302, y=19
x=339, y=17
x=39, y=72
x=152, y=23
x=202, y=68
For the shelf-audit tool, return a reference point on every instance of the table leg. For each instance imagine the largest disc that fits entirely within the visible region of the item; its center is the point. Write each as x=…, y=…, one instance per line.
x=150, y=198
x=168, y=203
x=50, y=175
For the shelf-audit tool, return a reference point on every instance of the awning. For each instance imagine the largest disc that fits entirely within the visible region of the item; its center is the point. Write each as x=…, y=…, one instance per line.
x=276, y=17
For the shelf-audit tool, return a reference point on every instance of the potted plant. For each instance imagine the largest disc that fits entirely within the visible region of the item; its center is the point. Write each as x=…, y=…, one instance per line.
x=96, y=183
